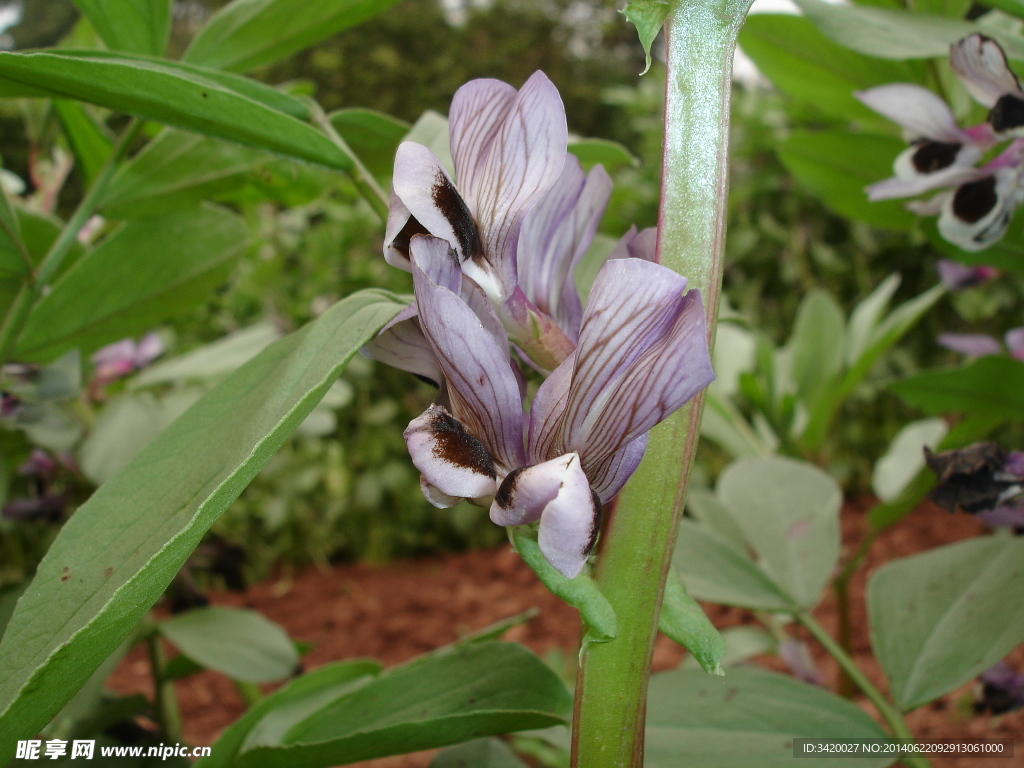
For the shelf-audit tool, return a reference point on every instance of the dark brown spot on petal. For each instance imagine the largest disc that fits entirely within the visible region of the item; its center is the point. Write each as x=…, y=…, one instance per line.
x=454, y=444
x=404, y=237
x=932, y=156
x=596, y=525
x=454, y=208
x=974, y=200
x=1007, y=114
x=507, y=489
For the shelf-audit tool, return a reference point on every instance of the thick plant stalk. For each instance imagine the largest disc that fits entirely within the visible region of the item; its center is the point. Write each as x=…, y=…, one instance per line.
x=611, y=690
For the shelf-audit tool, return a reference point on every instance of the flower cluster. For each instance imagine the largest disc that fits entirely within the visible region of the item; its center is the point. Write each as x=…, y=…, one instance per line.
x=492, y=254
x=977, y=201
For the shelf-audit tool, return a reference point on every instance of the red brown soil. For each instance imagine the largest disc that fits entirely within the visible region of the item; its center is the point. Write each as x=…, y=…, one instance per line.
x=400, y=610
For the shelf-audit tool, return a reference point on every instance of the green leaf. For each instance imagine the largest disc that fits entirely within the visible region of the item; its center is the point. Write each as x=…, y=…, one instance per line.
x=373, y=136
x=789, y=513
x=905, y=456
x=247, y=33
x=582, y=592
x=90, y=144
x=147, y=271
x=989, y=386
x=816, y=343
x=23, y=247
x=1012, y=7
x=133, y=26
x=892, y=34
x=310, y=690
x=242, y=644
x=178, y=170
x=683, y=620
x=716, y=571
x=120, y=550
x=648, y=16
x=749, y=717
x=807, y=66
x=481, y=753
x=8, y=599
x=444, y=698
x=608, y=153
x=866, y=316
x=836, y=166
x=204, y=101
x=742, y=643
x=940, y=618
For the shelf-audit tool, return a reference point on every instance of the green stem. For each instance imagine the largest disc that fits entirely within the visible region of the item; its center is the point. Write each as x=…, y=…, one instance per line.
x=885, y=709
x=31, y=289
x=636, y=551
x=364, y=181
x=167, y=712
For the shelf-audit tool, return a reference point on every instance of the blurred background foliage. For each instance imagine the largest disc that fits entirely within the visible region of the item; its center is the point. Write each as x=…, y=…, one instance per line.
x=343, y=488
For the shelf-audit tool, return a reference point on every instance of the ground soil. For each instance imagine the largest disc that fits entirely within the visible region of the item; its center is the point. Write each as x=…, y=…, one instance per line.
x=397, y=611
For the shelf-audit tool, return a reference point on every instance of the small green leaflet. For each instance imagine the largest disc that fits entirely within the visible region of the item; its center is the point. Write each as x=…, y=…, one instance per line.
x=647, y=16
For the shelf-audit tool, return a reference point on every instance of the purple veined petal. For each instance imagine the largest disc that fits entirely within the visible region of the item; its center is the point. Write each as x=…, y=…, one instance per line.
x=450, y=459
x=523, y=162
x=546, y=413
x=437, y=498
x=978, y=213
x=423, y=186
x=895, y=187
x=609, y=475
x=554, y=237
x=1015, y=342
x=957, y=277
x=482, y=387
x=402, y=345
x=400, y=228
x=922, y=112
x=971, y=344
x=478, y=110
x=981, y=64
x=477, y=300
x=643, y=352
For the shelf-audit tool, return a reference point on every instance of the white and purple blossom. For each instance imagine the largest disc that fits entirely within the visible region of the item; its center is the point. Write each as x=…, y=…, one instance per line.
x=642, y=354
x=117, y=360
x=958, y=277
x=982, y=345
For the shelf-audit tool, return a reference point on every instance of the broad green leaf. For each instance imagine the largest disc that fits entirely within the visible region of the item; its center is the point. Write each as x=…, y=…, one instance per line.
x=247, y=33
x=582, y=592
x=836, y=166
x=1012, y=7
x=148, y=270
x=134, y=26
x=8, y=599
x=724, y=425
x=90, y=144
x=177, y=170
x=941, y=617
x=1007, y=253
x=789, y=514
x=989, y=386
x=905, y=456
x=127, y=424
x=892, y=34
x=715, y=571
x=608, y=153
x=311, y=689
x=705, y=506
x=242, y=644
x=809, y=67
x=816, y=343
x=647, y=16
x=210, y=361
x=733, y=355
x=120, y=550
x=444, y=698
x=747, y=718
x=373, y=136
x=481, y=753
x=683, y=620
x=33, y=234
x=192, y=98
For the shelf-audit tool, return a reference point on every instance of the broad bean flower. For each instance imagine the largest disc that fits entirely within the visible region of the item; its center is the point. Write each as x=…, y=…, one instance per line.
x=979, y=201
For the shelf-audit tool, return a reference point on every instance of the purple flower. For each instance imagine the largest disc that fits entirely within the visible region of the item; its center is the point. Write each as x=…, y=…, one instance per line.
x=981, y=344
x=980, y=63
x=642, y=354
x=121, y=358
x=957, y=277
x=509, y=148
x=1000, y=689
